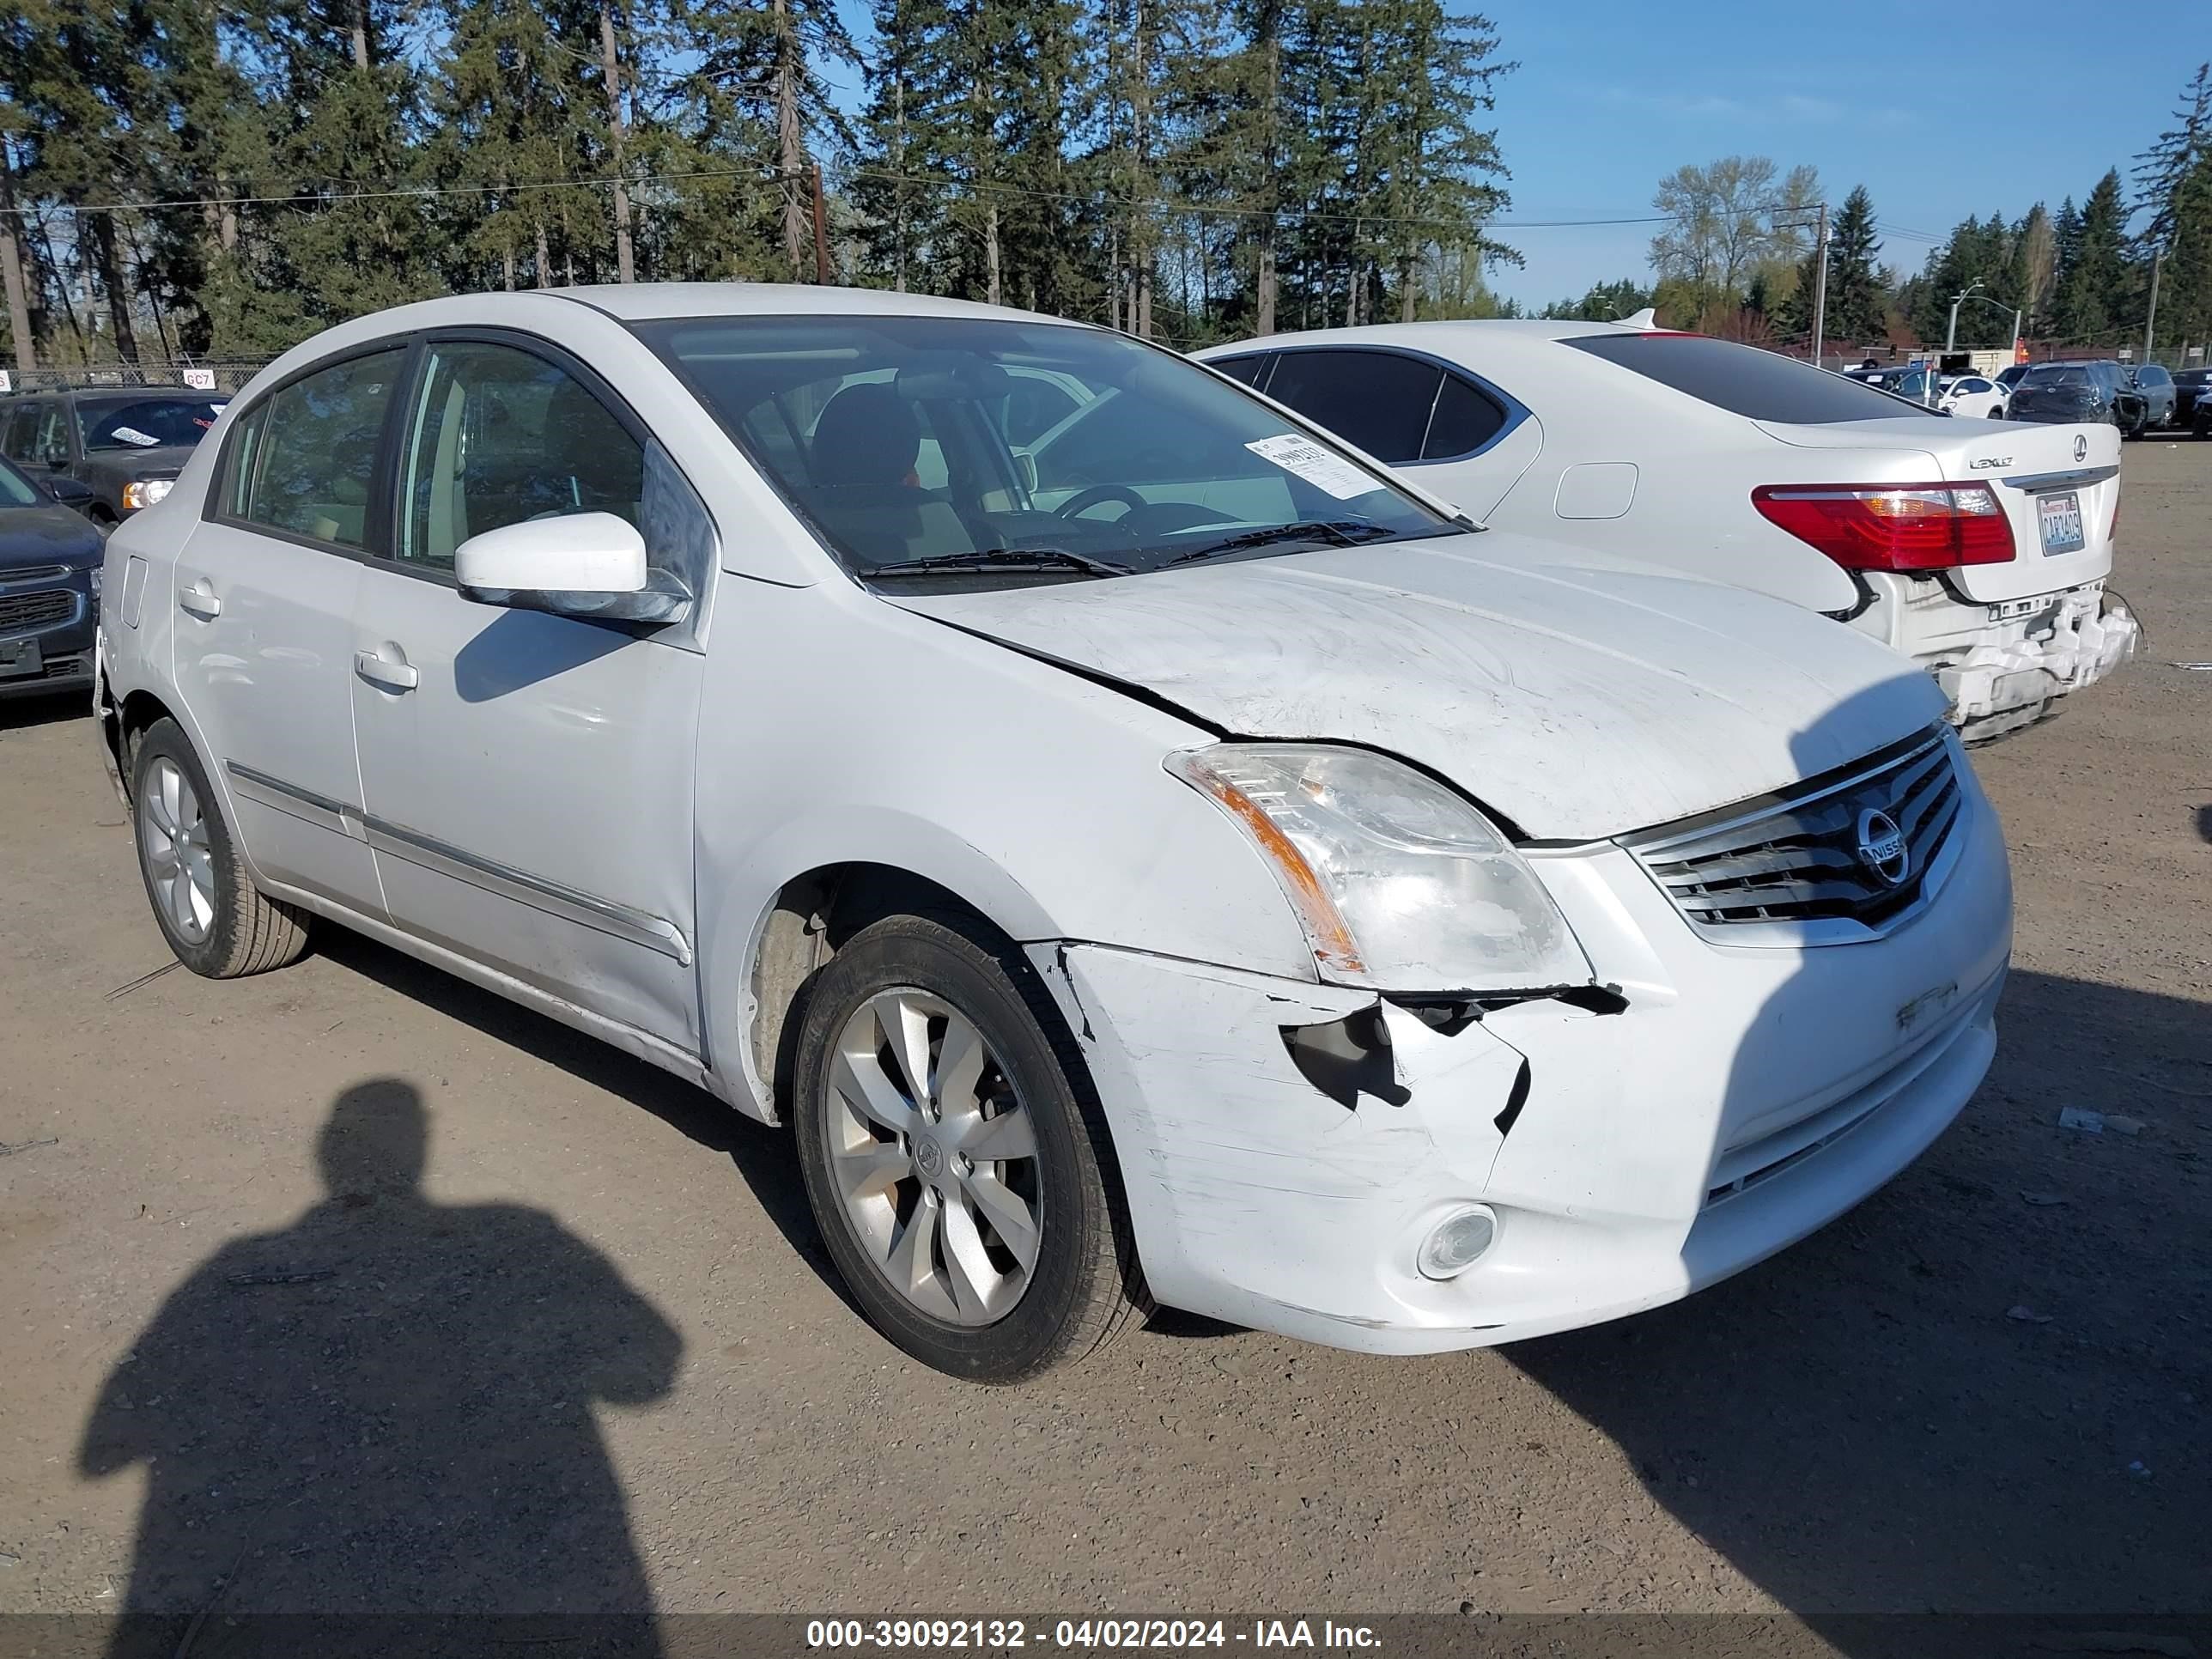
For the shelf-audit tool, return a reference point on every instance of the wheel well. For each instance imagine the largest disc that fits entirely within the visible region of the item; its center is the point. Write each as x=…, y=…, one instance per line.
x=812, y=917
x=124, y=727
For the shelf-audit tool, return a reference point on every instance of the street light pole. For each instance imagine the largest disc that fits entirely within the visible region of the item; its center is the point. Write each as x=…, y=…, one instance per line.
x=1951, y=329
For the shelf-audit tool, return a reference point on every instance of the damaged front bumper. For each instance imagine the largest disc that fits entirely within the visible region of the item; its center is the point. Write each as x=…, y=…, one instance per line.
x=2012, y=664
x=1740, y=1099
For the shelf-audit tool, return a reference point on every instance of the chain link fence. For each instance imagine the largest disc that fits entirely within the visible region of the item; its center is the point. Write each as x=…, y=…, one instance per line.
x=226, y=374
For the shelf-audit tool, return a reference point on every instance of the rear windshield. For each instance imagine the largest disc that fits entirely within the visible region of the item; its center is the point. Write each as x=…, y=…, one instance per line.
x=149, y=424
x=1758, y=385
x=2055, y=374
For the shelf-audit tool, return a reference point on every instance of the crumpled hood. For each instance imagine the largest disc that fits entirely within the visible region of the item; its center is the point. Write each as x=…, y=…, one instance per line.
x=1579, y=695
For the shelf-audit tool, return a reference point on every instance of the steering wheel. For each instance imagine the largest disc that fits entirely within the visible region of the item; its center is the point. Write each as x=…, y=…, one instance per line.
x=1076, y=504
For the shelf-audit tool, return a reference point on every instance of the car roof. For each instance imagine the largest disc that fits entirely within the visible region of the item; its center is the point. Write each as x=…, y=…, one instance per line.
x=1438, y=337
x=636, y=302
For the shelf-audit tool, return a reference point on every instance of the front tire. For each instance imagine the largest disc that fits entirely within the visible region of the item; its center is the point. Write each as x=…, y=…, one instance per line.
x=955, y=1158
x=215, y=920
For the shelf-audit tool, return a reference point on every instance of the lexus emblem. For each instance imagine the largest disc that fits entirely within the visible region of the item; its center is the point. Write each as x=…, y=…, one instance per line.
x=2081, y=447
x=1882, y=847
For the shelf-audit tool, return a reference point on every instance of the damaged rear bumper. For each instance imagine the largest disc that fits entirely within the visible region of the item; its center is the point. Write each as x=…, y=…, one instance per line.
x=1742, y=1099
x=2007, y=666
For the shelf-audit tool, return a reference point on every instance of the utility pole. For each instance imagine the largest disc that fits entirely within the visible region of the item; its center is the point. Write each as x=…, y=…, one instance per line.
x=1820, y=288
x=2150, y=323
x=625, y=259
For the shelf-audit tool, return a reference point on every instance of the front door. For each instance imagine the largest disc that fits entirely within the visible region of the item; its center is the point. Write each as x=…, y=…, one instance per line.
x=527, y=776
x=263, y=597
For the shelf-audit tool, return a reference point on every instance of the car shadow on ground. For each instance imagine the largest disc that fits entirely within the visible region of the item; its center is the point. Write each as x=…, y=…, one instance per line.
x=1984, y=1390
x=380, y=1416
x=19, y=714
x=2205, y=822
x=761, y=1155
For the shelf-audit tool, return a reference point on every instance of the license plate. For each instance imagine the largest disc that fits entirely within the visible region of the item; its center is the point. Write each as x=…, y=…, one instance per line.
x=20, y=657
x=2060, y=516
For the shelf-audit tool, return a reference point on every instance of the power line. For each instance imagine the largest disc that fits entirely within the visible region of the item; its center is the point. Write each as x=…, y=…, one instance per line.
x=313, y=198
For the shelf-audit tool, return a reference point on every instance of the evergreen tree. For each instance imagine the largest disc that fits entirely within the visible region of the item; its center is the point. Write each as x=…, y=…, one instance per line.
x=2096, y=287
x=2174, y=184
x=759, y=86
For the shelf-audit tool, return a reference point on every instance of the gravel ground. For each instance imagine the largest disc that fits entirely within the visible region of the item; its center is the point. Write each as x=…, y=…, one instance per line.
x=594, y=1358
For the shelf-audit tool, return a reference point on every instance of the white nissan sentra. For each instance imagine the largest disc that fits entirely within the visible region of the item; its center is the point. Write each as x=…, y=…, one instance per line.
x=1144, y=852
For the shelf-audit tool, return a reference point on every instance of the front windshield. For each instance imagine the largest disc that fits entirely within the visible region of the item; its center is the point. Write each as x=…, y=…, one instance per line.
x=149, y=423
x=922, y=447
x=16, y=491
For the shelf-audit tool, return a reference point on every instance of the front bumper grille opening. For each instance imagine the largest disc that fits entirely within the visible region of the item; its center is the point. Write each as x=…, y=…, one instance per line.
x=25, y=613
x=1799, y=860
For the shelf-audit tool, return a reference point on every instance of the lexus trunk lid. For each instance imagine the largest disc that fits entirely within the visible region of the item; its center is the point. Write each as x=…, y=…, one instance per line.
x=2024, y=465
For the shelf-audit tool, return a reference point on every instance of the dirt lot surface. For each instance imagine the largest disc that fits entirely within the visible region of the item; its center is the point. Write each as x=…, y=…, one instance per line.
x=594, y=1359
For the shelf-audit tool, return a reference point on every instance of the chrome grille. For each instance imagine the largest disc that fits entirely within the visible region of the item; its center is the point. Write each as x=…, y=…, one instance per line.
x=1797, y=856
x=20, y=613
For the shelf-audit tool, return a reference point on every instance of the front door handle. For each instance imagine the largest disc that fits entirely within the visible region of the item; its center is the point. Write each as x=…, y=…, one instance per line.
x=383, y=670
x=199, y=601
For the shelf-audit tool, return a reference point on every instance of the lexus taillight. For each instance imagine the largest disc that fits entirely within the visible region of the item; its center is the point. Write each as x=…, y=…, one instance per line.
x=1893, y=526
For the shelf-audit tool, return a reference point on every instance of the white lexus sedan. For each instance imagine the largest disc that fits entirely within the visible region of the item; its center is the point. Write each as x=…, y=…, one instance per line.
x=1144, y=852
x=1980, y=550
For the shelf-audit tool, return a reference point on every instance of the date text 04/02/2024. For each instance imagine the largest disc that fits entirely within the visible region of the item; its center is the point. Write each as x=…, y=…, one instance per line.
x=997, y=1635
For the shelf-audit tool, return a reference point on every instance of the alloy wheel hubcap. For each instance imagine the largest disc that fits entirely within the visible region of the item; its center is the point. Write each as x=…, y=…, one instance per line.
x=933, y=1155
x=173, y=833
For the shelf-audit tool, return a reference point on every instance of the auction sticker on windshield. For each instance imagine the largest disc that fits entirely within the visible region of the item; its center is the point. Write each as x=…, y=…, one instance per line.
x=1309, y=461
x=2061, y=517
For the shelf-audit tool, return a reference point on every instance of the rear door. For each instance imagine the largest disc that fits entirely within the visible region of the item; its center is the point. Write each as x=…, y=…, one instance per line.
x=263, y=591
x=528, y=777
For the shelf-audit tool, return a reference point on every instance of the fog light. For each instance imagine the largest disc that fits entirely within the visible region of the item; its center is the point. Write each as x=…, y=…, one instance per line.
x=1454, y=1243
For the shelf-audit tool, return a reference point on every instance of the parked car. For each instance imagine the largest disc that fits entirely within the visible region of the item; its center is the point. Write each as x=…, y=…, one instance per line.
x=2160, y=395
x=126, y=444
x=1982, y=553
x=1165, y=860
x=50, y=570
x=2009, y=375
x=2100, y=393
x=1973, y=394
x=2190, y=387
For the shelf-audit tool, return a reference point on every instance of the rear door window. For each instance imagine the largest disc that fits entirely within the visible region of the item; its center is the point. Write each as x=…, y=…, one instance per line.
x=1465, y=419
x=19, y=438
x=1378, y=400
x=1246, y=370
x=1756, y=385
x=305, y=461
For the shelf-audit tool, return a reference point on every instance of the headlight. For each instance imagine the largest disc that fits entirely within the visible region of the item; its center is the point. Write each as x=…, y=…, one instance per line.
x=146, y=492
x=1396, y=880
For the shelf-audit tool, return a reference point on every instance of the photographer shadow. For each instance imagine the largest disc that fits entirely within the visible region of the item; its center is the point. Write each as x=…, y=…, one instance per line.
x=357, y=1427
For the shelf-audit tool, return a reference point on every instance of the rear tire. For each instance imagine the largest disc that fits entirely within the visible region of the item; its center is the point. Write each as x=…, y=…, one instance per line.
x=215, y=920
x=936, y=1166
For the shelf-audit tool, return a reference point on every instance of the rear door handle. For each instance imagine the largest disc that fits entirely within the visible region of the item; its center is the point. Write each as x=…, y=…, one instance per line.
x=199, y=601
x=384, y=671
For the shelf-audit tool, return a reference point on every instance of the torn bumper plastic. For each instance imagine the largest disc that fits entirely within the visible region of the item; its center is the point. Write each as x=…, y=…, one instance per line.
x=2017, y=667
x=1743, y=1098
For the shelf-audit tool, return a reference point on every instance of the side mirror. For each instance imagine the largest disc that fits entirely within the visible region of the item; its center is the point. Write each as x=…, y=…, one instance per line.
x=70, y=492
x=1026, y=470
x=582, y=564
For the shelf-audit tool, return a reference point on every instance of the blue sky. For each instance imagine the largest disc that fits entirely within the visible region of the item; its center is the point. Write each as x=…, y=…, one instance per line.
x=1939, y=109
